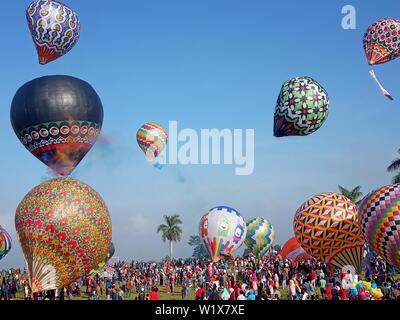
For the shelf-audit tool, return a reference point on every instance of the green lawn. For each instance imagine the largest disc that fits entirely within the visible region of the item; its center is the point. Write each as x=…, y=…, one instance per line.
x=162, y=294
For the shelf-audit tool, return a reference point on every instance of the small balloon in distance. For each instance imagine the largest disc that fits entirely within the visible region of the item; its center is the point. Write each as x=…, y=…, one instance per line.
x=152, y=139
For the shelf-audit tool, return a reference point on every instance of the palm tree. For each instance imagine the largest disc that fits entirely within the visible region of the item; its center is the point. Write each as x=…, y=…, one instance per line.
x=395, y=166
x=171, y=231
x=354, y=195
x=198, y=249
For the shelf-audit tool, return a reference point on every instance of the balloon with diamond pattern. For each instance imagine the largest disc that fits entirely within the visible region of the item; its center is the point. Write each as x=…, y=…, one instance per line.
x=380, y=222
x=328, y=229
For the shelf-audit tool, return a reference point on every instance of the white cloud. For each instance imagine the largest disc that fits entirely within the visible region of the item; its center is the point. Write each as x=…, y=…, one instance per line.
x=140, y=225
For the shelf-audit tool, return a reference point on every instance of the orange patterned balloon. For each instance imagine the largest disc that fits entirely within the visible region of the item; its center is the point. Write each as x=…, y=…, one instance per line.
x=328, y=229
x=64, y=229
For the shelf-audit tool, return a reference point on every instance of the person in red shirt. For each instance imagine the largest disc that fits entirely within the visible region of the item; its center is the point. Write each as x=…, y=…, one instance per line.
x=200, y=293
x=328, y=292
x=313, y=278
x=154, y=294
x=342, y=294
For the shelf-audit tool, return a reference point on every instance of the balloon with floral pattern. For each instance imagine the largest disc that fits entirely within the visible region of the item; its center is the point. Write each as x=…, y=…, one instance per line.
x=64, y=229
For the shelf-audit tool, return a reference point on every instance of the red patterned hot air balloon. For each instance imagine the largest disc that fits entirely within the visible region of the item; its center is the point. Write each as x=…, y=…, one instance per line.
x=382, y=44
x=292, y=250
x=327, y=228
x=64, y=229
x=382, y=41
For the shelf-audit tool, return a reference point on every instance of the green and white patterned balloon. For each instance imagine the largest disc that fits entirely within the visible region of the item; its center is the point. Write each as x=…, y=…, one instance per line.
x=301, y=109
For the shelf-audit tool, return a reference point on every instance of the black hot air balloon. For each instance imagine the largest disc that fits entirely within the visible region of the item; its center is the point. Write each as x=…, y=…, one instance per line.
x=57, y=118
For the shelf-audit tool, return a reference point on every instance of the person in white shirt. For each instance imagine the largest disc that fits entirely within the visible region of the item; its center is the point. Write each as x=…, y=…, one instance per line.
x=241, y=296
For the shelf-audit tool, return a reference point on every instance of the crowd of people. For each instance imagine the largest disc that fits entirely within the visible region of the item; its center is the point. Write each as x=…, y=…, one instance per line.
x=268, y=278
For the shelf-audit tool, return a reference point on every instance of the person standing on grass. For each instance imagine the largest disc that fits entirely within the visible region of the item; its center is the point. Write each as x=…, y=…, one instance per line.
x=322, y=286
x=154, y=294
x=142, y=294
x=200, y=293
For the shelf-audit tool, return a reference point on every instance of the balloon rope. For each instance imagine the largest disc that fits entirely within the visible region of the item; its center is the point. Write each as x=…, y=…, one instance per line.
x=385, y=93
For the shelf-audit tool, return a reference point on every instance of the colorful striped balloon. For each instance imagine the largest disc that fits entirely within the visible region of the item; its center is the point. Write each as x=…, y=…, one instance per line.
x=5, y=242
x=260, y=236
x=222, y=231
x=380, y=222
x=152, y=139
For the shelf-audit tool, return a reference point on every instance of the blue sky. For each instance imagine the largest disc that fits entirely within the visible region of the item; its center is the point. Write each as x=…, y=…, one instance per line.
x=208, y=64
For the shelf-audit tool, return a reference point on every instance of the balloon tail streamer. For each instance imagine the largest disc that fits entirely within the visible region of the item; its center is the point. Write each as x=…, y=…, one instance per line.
x=384, y=92
x=157, y=165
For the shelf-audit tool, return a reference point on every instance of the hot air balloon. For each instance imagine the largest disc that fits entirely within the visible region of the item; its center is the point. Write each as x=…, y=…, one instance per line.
x=380, y=222
x=292, y=250
x=57, y=118
x=5, y=242
x=327, y=228
x=301, y=109
x=260, y=236
x=382, y=44
x=152, y=139
x=222, y=230
x=64, y=229
x=102, y=264
x=382, y=41
x=54, y=27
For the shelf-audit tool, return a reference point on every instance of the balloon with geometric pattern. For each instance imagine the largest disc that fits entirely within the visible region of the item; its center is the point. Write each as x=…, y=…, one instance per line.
x=57, y=119
x=222, y=231
x=301, y=108
x=327, y=228
x=380, y=222
x=260, y=236
x=5, y=242
x=64, y=229
x=54, y=27
x=152, y=139
x=382, y=41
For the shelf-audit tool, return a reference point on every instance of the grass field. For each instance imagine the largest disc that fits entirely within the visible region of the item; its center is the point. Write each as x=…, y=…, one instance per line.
x=162, y=294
